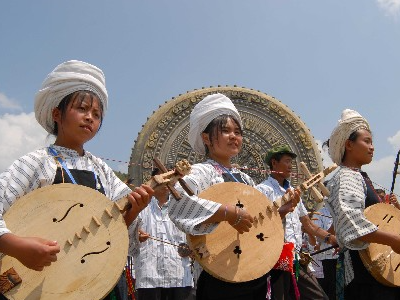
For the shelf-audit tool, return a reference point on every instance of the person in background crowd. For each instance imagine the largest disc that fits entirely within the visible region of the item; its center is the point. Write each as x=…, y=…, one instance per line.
x=163, y=270
x=381, y=193
x=279, y=160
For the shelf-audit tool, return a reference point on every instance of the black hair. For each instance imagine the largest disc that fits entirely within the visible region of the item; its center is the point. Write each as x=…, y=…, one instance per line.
x=326, y=143
x=216, y=126
x=155, y=171
x=80, y=97
x=129, y=181
x=278, y=157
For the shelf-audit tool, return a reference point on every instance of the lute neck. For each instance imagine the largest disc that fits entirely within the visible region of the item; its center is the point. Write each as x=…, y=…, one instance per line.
x=155, y=182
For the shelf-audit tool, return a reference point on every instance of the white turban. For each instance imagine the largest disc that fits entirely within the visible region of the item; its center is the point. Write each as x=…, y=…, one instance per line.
x=350, y=122
x=65, y=79
x=204, y=112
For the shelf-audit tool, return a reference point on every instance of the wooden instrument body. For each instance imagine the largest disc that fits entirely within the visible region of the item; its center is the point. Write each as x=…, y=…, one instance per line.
x=380, y=260
x=90, y=230
x=235, y=257
x=93, y=250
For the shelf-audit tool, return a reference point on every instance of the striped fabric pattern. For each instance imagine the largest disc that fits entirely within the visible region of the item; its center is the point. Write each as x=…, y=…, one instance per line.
x=158, y=264
x=190, y=211
x=346, y=204
x=38, y=169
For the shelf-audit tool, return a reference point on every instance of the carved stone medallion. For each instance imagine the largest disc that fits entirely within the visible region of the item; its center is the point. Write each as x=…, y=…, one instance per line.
x=266, y=121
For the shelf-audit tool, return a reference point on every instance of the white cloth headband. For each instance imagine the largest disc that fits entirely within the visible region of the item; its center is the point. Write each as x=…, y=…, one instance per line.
x=204, y=112
x=65, y=79
x=350, y=122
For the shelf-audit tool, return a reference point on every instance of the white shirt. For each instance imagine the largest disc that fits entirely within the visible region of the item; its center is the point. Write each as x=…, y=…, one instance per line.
x=292, y=225
x=158, y=264
x=38, y=169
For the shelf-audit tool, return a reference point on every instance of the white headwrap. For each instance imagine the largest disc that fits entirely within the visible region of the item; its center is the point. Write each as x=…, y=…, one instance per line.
x=350, y=122
x=66, y=78
x=204, y=112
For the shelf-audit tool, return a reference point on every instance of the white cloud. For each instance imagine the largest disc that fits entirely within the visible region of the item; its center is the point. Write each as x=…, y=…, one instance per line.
x=19, y=134
x=390, y=7
x=8, y=103
x=395, y=140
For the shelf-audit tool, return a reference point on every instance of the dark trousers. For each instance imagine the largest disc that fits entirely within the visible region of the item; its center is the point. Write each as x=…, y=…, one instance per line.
x=211, y=288
x=355, y=291
x=309, y=287
x=328, y=283
x=120, y=290
x=364, y=286
x=282, y=285
x=175, y=293
x=283, y=289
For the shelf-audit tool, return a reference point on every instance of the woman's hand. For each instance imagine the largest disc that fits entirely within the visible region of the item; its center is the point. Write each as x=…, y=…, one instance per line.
x=393, y=201
x=138, y=199
x=33, y=252
x=332, y=240
x=241, y=220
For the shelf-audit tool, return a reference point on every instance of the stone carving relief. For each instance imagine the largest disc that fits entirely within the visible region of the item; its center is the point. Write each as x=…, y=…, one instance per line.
x=267, y=122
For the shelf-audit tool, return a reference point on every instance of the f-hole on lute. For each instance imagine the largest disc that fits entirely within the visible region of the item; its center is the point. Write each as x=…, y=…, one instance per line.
x=92, y=234
x=234, y=257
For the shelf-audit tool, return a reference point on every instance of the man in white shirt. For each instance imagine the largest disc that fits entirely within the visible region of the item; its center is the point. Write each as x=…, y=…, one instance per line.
x=280, y=160
x=162, y=268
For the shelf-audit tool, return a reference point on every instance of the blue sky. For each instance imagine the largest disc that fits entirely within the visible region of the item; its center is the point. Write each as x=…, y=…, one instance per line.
x=317, y=57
